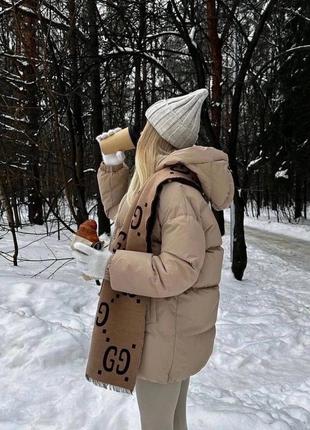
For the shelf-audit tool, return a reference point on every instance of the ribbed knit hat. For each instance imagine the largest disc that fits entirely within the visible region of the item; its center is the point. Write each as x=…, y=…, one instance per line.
x=177, y=120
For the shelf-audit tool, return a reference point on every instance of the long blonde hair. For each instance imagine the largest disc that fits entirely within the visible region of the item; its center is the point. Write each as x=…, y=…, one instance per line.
x=151, y=148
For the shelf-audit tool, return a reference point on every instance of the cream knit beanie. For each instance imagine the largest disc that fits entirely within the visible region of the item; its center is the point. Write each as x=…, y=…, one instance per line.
x=177, y=119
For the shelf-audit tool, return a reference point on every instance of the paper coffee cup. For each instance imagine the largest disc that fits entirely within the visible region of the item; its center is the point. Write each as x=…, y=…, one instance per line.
x=119, y=141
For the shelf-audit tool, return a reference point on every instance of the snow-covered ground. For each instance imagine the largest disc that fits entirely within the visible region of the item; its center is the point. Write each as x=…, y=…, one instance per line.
x=258, y=377
x=268, y=222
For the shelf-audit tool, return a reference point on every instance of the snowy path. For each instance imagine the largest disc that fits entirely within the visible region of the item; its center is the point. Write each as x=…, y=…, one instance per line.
x=258, y=377
x=293, y=250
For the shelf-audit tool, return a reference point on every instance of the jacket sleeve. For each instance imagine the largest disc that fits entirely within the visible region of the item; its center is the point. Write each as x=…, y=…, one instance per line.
x=182, y=254
x=113, y=184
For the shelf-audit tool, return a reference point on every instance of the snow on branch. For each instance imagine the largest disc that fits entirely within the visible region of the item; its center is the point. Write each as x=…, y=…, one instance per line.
x=127, y=50
x=281, y=174
x=12, y=118
x=39, y=16
x=298, y=14
x=13, y=166
x=163, y=33
x=10, y=7
x=298, y=48
x=254, y=162
x=266, y=6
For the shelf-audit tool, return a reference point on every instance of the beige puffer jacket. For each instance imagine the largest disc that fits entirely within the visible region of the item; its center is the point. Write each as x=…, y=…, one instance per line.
x=183, y=272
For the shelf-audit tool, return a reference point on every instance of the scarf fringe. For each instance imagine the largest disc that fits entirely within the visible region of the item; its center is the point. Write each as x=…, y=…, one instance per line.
x=108, y=386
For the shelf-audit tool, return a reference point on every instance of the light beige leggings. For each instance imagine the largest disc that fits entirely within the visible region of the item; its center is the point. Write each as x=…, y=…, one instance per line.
x=162, y=406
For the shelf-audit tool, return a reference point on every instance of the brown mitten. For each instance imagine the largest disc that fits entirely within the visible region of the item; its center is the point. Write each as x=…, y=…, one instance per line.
x=88, y=230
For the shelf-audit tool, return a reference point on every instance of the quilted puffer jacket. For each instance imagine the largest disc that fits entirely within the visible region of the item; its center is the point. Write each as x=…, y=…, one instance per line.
x=183, y=272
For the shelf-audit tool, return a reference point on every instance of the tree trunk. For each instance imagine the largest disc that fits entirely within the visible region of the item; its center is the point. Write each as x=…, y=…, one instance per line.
x=239, y=253
x=26, y=25
x=305, y=199
x=10, y=216
x=96, y=103
x=215, y=49
x=76, y=126
x=137, y=91
x=239, y=248
x=298, y=195
x=139, y=68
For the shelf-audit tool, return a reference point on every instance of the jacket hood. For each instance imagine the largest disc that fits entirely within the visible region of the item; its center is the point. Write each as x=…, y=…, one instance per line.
x=211, y=167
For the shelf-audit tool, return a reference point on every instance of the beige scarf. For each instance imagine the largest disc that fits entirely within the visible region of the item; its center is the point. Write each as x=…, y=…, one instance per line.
x=118, y=332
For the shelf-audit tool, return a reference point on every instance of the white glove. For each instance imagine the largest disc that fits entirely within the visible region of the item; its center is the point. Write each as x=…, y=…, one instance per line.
x=113, y=159
x=90, y=261
x=108, y=133
x=116, y=157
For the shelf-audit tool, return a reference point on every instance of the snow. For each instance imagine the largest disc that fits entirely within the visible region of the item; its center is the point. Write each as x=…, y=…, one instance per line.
x=192, y=33
x=163, y=33
x=122, y=49
x=192, y=36
x=265, y=6
x=9, y=128
x=14, y=166
x=299, y=48
x=9, y=8
x=130, y=50
x=296, y=12
x=27, y=9
x=251, y=32
x=281, y=174
x=89, y=170
x=258, y=377
x=253, y=162
x=13, y=118
x=300, y=230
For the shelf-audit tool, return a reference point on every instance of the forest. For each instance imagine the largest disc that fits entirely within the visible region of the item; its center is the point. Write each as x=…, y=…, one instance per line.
x=72, y=69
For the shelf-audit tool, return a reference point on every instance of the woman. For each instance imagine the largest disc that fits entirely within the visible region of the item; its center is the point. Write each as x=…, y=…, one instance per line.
x=182, y=273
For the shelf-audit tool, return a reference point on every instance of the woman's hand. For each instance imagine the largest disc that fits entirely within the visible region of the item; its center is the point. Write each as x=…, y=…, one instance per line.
x=108, y=133
x=115, y=158
x=90, y=261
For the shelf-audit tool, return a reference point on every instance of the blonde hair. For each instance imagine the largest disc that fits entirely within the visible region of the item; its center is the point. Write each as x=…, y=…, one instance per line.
x=151, y=148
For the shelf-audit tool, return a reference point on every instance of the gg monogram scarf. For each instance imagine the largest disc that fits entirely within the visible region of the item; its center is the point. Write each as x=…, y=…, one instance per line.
x=118, y=332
